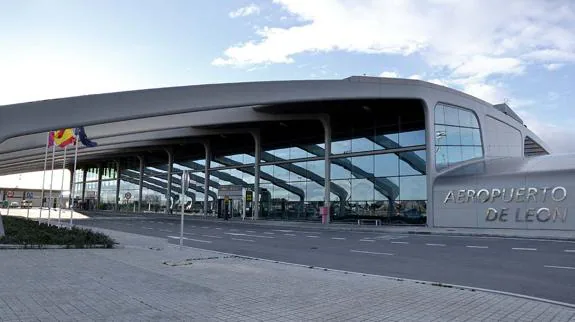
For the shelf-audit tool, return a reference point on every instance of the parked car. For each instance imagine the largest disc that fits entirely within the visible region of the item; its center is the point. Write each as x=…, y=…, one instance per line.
x=26, y=204
x=14, y=204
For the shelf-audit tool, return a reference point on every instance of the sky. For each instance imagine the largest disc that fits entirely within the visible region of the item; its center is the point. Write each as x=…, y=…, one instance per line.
x=517, y=51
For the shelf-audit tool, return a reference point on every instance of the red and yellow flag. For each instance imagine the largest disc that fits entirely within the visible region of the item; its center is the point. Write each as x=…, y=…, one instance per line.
x=64, y=137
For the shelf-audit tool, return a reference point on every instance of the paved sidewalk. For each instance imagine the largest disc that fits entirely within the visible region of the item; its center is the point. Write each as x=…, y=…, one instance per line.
x=148, y=279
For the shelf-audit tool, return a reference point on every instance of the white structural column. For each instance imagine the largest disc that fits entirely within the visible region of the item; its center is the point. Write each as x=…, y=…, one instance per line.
x=140, y=183
x=169, y=179
x=258, y=156
x=208, y=160
x=325, y=121
x=99, y=193
x=118, y=175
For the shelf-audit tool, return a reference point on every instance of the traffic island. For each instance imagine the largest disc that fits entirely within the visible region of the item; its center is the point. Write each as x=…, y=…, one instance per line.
x=26, y=233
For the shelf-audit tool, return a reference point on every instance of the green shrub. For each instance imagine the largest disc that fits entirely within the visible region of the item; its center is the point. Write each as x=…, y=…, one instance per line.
x=23, y=231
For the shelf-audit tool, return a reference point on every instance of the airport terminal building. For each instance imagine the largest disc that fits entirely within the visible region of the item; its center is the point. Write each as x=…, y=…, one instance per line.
x=401, y=151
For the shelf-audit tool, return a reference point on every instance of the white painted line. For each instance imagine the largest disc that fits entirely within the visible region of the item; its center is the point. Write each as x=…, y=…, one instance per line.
x=210, y=236
x=570, y=250
x=205, y=227
x=196, y=240
x=338, y=238
x=396, y=242
x=166, y=230
x=560, y=267
x=240, y=239
x=148, y=228
x=269, y=233
x=441, y=245
x=520, y=248
x=250, y=231
x=283, y=230
x=312, y=236
x=367, y=240
x=218, y=228
x=289, y=234
x=366, y=252
x=235, y=234
x=248, y=235
x=471, y=246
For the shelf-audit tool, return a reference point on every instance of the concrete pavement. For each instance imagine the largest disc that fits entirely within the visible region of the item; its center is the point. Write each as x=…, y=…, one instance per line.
x=149, y=279
x=530, y=267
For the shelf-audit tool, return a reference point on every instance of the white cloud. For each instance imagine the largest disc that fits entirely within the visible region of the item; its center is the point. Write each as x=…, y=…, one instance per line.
x=415, y=76
x=252, y=9
x=559, y=139
x=389, y=74
x=553, y=67
x=468, y=38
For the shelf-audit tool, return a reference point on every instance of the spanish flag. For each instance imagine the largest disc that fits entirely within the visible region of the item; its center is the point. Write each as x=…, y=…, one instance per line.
x=62, y=138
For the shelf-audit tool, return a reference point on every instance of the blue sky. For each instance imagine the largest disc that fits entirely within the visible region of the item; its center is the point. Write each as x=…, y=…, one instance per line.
x=517, y=50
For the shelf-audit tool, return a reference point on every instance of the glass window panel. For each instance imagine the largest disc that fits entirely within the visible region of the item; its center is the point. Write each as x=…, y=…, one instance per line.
x=467, y=152
x=440, y=135
x=279, y=193
x=477, y=151
x=340, y=147
x=412, y=138
x=269, y=169
x=362, y=144
x=407, y=166
x=454, y=154
x=365, y=163
x=345, y=185
x=281, y=173
x=361, y=190
x=453, y=135
x=317, y=167
x=466, y=136
x=441, y=158
x=248, y=159
x=297, y=176
x=439, y=114
x=413, y=188
x=476, y=137
x=314, y=191
x=338, y=172
x=297, y=153
x=466, y=118
x=451, y=116
x=214, y=164
x=237, y=157
x=386, y=165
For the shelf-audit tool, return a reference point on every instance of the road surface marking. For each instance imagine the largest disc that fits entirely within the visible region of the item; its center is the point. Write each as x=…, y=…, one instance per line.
x=283, y=230
x=218, y=228
x=210, y=236
x=435, y=245
x=235, y=234
x=148, y=228
x=367, y=240
x=250, y=231
x=312, y=236
x=366, y=252
x=471, y=246
x=242, y=234
x=520, y=248
x=205, y=227
x=269, y=233
x=196, y=240
x=166, y=230
x=396, y=242
x=570, y=250
x=240, y=239
x=561, y=267
x=289, y=234
x=338, y=238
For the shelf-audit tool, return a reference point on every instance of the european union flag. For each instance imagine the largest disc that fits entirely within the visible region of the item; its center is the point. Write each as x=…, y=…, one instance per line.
x=81, y=135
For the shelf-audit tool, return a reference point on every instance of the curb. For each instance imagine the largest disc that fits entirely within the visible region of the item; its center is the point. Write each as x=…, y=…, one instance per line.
x=398, y=279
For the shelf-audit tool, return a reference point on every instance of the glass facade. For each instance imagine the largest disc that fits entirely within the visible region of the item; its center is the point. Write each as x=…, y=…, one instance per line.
x=457, y=136
x=378, y=170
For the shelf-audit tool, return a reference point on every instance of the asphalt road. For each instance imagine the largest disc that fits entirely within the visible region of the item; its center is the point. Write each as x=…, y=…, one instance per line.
x=531, y=267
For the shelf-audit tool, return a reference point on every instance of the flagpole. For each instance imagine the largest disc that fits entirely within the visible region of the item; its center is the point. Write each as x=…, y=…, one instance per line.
x=62, y=185
x=51, y=181
x=73, y=182
x=44, y=175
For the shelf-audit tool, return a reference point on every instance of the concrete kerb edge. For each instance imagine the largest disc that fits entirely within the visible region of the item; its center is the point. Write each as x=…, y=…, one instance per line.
x=16, y=246
x=398, y=279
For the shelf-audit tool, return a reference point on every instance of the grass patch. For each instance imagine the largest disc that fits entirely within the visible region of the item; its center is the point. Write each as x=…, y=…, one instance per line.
x=22, y=231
